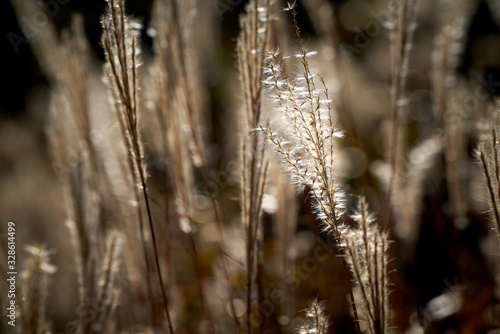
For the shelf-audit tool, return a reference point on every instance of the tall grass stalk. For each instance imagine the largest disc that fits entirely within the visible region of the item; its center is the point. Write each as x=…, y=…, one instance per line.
x=173, y=117
x=251, y=47
x=402, y=26
x=177, y=109
x=366, y=253
x=106, y=185
x=34, y=287
x=489, y=160
x=66, y=65
x=120, y=44
x=307, y=146
x=449, y=45
x=316, y=321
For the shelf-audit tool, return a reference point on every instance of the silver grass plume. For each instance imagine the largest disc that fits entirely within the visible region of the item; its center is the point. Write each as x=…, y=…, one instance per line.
x=366, y=249
x=69, y=131
x=72, y=124
x=402, y=26
x=108, y=288
x=172, y=108
x=178, y=98
x=120, y=40
x=173, y=22
x=307, y=146
x=34, y=283
x=83, y=217
x=251, y=46
x=316, y=321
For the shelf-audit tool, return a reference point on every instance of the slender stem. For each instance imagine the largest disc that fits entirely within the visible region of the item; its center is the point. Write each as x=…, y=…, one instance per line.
x=393, y=163
x=199, y=276
x=155, y=253
x=489, y=183
x=183, y=81
x=351, y=294
x=260, y=292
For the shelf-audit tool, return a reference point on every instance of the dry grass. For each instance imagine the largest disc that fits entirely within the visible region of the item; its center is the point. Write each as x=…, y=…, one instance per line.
x=252, y=43
x=201, y=197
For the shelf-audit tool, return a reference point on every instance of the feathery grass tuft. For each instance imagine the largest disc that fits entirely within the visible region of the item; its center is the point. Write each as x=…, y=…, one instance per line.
x=366, y=253
x=34, y=282
x=316, y=319
x=307, y=147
